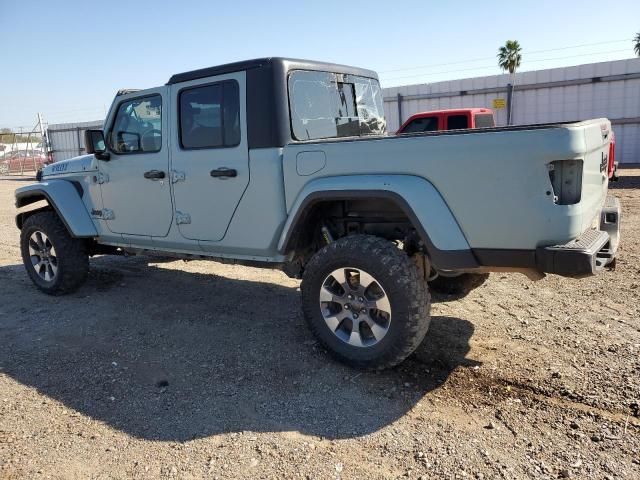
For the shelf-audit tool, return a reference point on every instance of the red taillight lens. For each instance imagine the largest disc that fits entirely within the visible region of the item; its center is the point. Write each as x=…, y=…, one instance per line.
x=612, y=154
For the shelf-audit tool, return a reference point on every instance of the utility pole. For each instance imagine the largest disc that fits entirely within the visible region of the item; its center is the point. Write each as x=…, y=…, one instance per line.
x=509, y=102
x=43, y=135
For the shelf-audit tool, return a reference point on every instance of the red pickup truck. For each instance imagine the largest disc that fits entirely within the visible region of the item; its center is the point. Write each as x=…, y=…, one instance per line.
x=460, y=118
x=448, y=120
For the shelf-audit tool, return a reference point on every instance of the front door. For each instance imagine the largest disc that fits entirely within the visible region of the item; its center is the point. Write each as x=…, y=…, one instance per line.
x=209, y=154
x=136, y=188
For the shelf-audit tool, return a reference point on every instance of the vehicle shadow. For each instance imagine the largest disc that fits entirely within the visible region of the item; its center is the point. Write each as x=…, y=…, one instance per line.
x=625, y=182
x=164, y=354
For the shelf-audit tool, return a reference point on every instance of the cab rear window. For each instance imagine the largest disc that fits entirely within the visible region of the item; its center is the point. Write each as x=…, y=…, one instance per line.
x=333, y=105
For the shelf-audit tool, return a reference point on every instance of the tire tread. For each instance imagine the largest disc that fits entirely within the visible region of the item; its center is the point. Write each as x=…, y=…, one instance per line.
x=402, y=272
x=72, y=253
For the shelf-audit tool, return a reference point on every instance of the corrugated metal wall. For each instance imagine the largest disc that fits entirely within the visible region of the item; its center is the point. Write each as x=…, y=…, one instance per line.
x=608, y=89
x=67, y=139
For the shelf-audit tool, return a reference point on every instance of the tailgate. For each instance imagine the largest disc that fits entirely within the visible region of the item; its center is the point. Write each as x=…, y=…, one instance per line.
x=597, y=135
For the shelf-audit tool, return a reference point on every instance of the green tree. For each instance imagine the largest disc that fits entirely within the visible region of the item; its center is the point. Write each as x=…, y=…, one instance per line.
x=8, y=136
x=509, y=56
x=636, y=44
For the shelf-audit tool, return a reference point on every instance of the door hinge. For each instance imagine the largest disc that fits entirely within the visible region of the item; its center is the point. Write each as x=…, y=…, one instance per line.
x=177, y=176
x=182, y=218
x=100, y=178
x=107, y=214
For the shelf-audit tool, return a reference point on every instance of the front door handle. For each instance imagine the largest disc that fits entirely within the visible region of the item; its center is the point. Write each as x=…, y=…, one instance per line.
x=154, y=174
x=224, y=172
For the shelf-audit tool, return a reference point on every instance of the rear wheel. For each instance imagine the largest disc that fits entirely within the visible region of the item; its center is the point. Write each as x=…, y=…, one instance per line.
x=365, y=301
x=56, y=262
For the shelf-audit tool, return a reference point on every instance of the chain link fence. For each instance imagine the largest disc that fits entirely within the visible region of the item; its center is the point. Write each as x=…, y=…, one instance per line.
x=22, y=150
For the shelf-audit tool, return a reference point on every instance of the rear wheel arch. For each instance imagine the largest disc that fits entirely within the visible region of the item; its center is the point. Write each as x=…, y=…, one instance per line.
x=326, y=205
x=304, y=224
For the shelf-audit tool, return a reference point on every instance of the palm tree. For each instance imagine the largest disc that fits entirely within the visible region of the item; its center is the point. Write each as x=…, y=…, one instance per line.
x=509, y=56
x=636, y=44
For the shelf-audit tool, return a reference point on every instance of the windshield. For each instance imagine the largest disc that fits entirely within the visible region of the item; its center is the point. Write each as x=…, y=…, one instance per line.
x=329, y=105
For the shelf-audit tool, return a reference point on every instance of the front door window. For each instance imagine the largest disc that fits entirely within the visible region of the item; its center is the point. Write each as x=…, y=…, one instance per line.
x=137, y=127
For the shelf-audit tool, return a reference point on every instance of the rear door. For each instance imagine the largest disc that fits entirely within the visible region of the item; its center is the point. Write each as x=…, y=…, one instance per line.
x=209, y=154
x=457, y=121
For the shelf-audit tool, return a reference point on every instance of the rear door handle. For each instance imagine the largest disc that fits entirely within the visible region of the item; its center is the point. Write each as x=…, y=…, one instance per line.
x=154, y=174
x=224, y=172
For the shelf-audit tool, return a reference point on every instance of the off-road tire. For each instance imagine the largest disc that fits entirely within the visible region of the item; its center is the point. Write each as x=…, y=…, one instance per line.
x=405, y=288
x=71, y=254
x=459, y=286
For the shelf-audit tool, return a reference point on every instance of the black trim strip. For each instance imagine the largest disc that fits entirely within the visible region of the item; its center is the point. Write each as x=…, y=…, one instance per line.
x=492, y=257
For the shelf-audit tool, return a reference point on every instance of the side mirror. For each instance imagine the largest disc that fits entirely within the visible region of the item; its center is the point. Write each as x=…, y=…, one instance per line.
x=128, y=142
x=94, y=143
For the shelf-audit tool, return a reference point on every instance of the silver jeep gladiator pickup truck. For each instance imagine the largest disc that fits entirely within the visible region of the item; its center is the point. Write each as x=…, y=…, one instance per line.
x=287, y=164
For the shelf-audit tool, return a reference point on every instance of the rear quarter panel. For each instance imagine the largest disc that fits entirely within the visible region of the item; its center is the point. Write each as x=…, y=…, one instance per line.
x=495, y=183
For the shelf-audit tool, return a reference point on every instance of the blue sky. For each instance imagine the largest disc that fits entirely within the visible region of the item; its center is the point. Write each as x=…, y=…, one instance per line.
x=67, y=58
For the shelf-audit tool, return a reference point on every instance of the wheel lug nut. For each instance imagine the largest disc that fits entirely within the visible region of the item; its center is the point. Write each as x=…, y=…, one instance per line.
x=355, y=316
x=350, y=297
x=363, y=310
x=360, y=299
x=347, y=306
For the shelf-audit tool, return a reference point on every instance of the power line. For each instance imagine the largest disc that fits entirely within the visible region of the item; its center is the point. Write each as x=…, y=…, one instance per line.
x=496, y=66
x=527, y=52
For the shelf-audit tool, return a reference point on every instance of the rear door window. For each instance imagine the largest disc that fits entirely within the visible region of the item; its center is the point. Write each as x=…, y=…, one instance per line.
x=210, y=116
x=456, y=122
x=425, y=124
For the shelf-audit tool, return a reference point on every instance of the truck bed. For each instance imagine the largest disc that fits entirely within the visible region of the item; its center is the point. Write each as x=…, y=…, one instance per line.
x=498, y=182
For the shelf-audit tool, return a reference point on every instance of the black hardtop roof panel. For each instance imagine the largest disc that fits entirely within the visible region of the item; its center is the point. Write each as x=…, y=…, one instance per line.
x=284, y=63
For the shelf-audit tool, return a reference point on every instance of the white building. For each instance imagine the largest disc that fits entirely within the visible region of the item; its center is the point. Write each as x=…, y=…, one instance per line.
x=607, y=89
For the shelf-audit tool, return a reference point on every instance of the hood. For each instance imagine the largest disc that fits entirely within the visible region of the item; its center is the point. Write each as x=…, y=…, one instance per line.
x=83, y=163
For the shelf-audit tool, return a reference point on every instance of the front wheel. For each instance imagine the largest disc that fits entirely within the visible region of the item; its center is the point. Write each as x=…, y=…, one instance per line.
x=365, y=301
x=56, y=262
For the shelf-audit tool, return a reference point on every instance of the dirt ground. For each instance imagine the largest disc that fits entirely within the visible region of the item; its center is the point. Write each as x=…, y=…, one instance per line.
x=200, y=370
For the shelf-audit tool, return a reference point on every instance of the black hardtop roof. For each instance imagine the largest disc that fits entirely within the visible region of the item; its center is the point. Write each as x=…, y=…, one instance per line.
x=284, y=63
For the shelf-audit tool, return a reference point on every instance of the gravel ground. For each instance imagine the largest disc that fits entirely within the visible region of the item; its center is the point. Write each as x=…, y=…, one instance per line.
x=200, y=370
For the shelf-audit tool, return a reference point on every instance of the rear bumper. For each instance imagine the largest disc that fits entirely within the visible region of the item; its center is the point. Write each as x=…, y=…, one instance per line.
x=587, y=254
x=581, y=257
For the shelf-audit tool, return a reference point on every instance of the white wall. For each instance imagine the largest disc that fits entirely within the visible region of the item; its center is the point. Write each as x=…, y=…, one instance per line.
x=616, y=99
x=67, y=139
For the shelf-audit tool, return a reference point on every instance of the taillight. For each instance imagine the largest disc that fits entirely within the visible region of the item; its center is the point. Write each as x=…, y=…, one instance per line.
x=566, y=181
x=612, y=154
